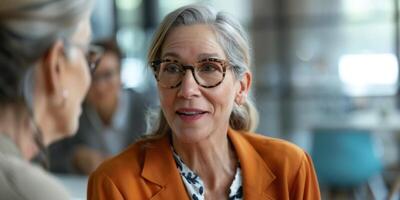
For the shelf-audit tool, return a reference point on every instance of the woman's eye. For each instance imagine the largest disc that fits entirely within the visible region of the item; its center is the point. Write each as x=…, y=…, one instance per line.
x=208, y=67
x=172, y=68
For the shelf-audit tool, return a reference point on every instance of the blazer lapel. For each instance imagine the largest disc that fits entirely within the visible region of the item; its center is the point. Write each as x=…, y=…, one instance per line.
x=160, y=168
x=256, y=174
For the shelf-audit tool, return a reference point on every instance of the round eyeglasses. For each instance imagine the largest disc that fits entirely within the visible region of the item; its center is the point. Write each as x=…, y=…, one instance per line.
x=207, y=73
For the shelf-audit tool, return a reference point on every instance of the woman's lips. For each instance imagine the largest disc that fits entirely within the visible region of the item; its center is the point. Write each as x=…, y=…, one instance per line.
x=190, y=114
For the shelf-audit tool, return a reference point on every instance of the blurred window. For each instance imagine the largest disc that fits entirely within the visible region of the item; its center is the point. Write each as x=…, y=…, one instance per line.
x=374, y=74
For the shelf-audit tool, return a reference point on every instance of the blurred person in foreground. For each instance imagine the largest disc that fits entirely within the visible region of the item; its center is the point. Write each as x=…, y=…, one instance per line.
x=112, y=117
x=44, y=77
x=204, y=147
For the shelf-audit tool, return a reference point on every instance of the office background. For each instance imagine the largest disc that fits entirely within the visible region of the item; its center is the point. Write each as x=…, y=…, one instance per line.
x=319, y=67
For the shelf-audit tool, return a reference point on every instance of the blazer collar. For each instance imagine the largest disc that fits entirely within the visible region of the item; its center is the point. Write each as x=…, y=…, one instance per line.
x=160, y=168
x=257, y=176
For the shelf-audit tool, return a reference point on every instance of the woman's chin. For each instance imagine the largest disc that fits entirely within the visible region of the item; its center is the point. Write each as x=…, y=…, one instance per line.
x=73, y=129
x=190, y=136
x=69, y=130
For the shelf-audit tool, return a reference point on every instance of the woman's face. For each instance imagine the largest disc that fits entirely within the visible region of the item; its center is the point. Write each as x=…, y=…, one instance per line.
x=193, y=112
x=77, y=78
x=106, y=82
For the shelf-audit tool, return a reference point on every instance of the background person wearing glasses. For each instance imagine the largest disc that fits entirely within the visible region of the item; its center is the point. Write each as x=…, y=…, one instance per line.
x=203, y=147
x=112, y=118
x=44, y=77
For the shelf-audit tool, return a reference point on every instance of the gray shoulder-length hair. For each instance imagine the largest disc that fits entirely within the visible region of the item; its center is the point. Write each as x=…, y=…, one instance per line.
x=234, y=41
x=27, y=29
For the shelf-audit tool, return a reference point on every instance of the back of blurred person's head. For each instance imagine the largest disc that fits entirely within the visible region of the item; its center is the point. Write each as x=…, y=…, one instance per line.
x=106, y=83
x=28, y=28
x=34, y=35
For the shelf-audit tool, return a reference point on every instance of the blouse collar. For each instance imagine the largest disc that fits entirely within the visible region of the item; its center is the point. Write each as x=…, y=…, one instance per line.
x=195, y=186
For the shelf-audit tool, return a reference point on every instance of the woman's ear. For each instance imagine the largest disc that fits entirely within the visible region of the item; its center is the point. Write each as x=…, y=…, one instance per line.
x=245, y=84
x=52, y=69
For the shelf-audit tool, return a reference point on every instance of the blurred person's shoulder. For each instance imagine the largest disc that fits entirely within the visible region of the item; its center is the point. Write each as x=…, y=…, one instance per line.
x=147, y=98
x=133, y=92
x=128, y=163
x=130, y=91
x=21, y=179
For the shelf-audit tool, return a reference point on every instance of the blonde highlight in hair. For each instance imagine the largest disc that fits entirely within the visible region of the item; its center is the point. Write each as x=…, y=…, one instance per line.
x=244, y=117
x=234, y=41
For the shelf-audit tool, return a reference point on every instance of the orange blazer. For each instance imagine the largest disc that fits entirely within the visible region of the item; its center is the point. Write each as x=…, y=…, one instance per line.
x=271, y=169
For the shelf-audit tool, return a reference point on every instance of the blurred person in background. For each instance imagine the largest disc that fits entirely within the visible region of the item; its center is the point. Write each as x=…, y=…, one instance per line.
x=44, y=77
x=204, y=146
x=112, y=118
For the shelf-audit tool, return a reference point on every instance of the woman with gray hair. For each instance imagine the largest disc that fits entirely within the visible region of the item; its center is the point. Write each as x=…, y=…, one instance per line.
x=204, y=147
x=44, y=77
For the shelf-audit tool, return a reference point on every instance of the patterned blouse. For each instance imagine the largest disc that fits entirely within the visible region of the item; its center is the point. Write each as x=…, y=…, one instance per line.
x=195, y=186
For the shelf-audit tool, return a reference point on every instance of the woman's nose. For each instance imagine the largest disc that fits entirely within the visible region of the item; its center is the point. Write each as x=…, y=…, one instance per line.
x=189, y=87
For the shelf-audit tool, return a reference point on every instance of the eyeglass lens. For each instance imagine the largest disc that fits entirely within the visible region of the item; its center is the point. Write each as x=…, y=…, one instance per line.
x=208, y=73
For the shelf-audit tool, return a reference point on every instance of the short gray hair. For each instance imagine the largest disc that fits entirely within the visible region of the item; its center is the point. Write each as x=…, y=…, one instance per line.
x=233, y=40
x=27, y=29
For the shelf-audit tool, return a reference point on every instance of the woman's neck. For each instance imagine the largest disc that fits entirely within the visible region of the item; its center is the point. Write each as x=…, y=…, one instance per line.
x=213, y=159
x=15, y=122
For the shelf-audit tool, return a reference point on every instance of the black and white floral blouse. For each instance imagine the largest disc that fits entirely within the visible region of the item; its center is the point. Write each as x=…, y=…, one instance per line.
x=195, y=186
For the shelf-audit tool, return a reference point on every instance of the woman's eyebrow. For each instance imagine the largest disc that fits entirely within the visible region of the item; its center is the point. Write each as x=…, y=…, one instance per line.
x=201, y=56
x=208, y=55
x=170, y=54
